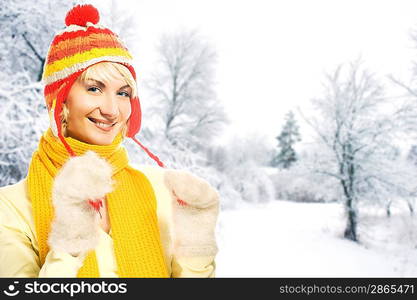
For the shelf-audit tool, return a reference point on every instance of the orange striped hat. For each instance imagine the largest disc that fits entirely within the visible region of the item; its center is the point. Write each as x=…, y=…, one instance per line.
x=80, y=45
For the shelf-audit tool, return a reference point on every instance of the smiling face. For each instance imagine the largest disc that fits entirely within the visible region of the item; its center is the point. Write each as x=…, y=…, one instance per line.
x=98, y=109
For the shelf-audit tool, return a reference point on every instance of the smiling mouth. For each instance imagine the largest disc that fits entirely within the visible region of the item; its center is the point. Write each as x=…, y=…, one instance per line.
x=100, y=124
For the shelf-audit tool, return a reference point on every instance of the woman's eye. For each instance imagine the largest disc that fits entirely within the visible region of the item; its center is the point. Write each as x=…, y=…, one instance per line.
x=93, y=89
x=124, y=94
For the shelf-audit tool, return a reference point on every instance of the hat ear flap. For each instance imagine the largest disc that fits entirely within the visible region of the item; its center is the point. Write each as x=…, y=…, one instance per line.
x=135, y=118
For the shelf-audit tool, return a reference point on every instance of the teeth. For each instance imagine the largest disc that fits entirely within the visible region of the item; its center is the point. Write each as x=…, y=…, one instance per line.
x=104, y=125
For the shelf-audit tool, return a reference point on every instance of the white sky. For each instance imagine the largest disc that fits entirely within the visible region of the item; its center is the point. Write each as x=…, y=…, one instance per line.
x=272, y=54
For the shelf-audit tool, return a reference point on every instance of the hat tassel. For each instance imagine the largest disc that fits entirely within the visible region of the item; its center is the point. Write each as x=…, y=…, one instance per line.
x=154, y=157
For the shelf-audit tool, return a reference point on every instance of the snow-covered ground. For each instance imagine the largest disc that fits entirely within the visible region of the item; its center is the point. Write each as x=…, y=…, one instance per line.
x=288, y=239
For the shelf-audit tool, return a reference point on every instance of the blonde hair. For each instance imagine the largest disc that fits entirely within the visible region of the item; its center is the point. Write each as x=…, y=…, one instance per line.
x=105, y=72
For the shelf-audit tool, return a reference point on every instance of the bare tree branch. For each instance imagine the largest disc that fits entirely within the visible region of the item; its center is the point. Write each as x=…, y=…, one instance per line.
x=184, y=87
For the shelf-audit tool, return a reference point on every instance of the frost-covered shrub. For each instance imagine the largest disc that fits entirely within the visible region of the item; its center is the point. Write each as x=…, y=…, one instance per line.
x=252, y=182
x=241, y=163
x=301, y=185
x=23, y=118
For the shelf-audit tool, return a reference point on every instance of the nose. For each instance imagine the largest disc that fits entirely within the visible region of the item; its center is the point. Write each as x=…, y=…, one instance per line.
x=109, y=107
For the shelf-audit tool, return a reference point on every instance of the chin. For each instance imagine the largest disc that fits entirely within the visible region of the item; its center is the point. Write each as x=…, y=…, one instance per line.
x=93, y=137
x=101, y=139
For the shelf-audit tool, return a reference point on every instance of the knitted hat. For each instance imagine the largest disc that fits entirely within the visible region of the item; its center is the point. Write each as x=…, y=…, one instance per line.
x=80, y=45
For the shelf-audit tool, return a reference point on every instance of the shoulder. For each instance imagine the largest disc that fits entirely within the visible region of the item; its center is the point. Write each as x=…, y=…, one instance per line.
x=15, y=206
x=15, y=195
x=17, y=189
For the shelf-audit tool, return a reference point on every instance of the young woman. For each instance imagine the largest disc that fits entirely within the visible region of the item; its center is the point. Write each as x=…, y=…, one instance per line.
x=83, y=210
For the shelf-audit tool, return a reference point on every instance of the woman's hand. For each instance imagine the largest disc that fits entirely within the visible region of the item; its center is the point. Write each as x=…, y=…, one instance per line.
x=82, y=182
x=195, y=207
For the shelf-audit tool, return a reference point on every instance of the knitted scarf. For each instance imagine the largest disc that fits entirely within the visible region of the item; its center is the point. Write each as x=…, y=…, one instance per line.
x=131, y=208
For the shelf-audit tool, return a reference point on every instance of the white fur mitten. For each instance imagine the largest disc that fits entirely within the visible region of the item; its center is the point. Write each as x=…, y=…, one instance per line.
x=75, y=228
x=195, y=207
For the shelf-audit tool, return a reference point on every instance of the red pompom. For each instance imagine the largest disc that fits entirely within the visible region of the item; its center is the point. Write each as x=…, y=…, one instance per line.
x=81, y=14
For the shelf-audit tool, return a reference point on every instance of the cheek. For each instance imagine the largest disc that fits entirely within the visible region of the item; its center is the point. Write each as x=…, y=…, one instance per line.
x=79, y=107
x=126, y=110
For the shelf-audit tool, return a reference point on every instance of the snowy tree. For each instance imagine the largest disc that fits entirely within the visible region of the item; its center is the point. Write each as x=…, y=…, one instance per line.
x=357, y=130
x=411, y=161
x=184, y=88
x=286, y=140
x=410, y=118
x=27, y=29
x=23, y=119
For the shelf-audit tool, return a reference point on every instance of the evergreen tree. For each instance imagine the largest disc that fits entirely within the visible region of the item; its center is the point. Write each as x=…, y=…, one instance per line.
x=286, y=155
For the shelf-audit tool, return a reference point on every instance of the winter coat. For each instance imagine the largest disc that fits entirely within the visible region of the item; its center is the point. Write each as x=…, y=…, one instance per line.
x=19, y=246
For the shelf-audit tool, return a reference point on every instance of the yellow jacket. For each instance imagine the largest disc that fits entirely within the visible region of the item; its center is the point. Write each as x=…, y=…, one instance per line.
x=19, y=246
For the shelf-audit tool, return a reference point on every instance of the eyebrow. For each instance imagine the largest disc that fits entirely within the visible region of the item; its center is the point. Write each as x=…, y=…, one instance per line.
x=101, y=84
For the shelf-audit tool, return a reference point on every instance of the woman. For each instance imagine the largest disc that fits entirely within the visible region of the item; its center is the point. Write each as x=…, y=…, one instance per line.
x=82, y=210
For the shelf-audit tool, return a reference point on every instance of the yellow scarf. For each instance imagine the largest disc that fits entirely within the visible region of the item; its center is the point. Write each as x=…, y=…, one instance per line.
x=131, y=207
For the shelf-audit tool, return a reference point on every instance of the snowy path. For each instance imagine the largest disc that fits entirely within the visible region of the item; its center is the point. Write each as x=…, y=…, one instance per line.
x=286, y=239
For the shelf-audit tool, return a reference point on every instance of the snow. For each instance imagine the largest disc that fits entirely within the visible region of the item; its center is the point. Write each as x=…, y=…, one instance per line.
x=289, y=239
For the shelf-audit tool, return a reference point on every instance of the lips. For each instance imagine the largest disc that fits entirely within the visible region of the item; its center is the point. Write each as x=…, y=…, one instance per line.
x=102, y=124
